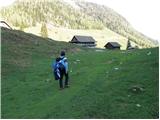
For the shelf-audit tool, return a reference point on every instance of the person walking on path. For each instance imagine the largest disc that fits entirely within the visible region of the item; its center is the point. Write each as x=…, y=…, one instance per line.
x=64, y=72
x=60, y=69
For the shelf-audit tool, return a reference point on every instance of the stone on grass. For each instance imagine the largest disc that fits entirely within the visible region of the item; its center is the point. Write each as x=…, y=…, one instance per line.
x=116, y=68
x=138, y=105
x=136, y=89
x=149, y=53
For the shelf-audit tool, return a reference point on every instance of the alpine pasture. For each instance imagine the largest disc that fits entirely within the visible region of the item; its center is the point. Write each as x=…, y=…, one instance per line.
x=103, y=84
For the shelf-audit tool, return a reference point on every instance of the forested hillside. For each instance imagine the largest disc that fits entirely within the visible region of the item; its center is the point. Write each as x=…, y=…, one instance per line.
x=27, y=13
x=115, y=22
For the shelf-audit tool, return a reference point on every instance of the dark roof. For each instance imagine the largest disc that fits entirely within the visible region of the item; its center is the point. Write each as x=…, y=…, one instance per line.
x=114, y=44
x=84, y=38
x=4, y=24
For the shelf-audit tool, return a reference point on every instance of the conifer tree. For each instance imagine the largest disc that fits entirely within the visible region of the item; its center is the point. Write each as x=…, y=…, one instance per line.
x=128, y=44
x=44, y=31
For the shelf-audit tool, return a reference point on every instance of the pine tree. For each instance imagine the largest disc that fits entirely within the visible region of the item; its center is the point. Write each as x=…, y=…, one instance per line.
x=129, y=44
x=44, y=31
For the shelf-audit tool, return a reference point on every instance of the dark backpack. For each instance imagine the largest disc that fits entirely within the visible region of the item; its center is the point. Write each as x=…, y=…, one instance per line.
x=58, y=67
x=61, y=65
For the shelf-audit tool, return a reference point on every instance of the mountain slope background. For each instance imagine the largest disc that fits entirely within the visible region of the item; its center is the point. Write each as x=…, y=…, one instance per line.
x=124, y=84
x=83, y=15
x=65, y=34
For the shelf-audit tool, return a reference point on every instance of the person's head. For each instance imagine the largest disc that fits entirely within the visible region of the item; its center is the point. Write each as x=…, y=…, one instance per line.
x=62, y=53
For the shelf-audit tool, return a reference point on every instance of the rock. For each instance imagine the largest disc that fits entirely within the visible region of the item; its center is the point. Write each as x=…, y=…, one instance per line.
x=116, y=68
x=138, y=105
x=136, y=89
x=149, y=53
x=77, y=60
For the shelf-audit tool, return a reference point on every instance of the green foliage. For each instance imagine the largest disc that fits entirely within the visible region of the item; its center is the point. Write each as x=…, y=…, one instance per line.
x=99, y=88
x=44, y=31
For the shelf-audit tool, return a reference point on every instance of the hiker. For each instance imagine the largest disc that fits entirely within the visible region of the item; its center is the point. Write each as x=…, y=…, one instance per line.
x=64, y=72
x=61, y=69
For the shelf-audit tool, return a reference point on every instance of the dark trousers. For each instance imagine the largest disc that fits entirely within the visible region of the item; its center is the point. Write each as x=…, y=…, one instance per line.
x=63, y=73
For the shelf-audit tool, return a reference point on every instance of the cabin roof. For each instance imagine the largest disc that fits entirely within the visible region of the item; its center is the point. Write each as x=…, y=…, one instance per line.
x=84, y=38
x=114, y=44
x=4, y=24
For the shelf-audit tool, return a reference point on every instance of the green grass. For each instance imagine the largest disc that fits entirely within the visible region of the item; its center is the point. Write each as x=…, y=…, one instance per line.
x=100, y=82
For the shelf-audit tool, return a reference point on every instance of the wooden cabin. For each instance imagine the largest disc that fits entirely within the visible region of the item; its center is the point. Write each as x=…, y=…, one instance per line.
x=86, y=41
x=112, y=45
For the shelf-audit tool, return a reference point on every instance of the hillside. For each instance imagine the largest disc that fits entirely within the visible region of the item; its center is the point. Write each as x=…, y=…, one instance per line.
x=113, y=84
x=26, y=14
x=64, y=34
x=115, y=22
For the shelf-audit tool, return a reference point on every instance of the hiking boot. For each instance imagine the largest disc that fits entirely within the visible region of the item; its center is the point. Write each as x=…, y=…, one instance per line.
x=61, y=88
x=67, y=86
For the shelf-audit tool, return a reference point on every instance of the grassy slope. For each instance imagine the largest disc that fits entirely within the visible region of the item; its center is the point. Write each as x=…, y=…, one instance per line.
x=97, y=90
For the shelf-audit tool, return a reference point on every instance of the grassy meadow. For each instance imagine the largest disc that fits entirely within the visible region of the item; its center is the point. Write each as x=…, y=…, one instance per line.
x=103, y=84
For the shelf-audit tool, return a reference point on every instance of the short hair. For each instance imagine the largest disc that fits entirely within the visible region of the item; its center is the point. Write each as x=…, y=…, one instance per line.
x=62, y=53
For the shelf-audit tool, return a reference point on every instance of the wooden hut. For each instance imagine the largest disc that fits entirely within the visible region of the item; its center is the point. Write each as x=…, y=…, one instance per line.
x=112, y=45
x=86, y=41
